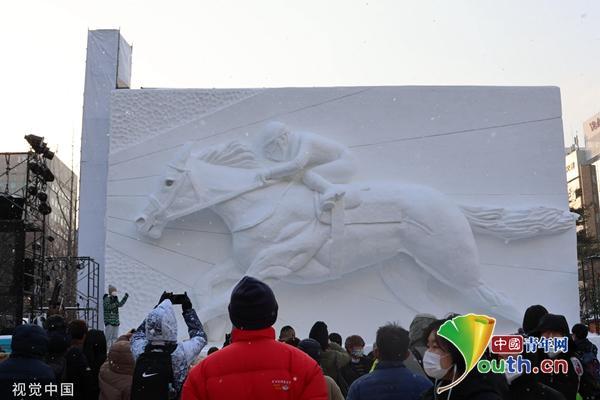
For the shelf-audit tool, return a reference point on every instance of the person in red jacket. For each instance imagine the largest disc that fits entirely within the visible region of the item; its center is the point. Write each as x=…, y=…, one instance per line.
x=255, y=365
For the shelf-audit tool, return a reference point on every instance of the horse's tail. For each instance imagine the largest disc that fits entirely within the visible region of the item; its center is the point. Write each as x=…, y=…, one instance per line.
x=514, y=224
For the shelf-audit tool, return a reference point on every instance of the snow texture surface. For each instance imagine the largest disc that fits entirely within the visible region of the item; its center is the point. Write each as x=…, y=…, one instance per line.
x=491, y=147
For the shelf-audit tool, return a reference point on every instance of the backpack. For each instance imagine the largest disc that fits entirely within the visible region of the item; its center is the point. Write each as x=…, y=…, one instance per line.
x=153, y=375
x=589, y=387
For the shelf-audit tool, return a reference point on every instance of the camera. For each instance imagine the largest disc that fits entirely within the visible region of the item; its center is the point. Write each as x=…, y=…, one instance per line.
x=176, y=298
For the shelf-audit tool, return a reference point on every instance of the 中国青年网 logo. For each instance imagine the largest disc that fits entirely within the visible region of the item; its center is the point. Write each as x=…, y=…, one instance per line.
x=472, y=334
x=510, y=349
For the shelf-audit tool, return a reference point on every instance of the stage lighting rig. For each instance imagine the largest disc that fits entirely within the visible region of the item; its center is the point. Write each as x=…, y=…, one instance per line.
x=44, y=208
x=32, y=190
x=41, y=170
x=39, y=146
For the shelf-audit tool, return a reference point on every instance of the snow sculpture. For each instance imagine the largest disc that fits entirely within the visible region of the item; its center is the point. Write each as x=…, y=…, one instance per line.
x=295, y=216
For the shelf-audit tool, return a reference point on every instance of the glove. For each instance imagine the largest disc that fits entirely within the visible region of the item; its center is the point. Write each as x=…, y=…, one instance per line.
x=186, y=304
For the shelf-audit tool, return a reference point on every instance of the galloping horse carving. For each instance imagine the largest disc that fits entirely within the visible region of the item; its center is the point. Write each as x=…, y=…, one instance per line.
x=295, y=216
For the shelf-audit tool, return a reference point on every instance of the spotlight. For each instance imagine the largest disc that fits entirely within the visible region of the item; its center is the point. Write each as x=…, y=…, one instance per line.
x=32, y=190
x=36, y=143
x=48, y=154
x=39, y=146
x=41, y=170
x=34, y=167
x=44, y=209
x=43, y=197
x=48, y=175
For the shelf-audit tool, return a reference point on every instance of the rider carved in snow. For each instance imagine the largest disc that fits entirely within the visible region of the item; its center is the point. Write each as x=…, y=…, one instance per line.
x=324, y=164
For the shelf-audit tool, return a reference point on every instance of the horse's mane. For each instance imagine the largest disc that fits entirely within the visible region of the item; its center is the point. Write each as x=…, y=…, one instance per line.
x=233, y=154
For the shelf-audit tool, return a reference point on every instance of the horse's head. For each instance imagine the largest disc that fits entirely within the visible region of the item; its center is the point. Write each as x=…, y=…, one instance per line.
x=194, y=181
x=174, y=198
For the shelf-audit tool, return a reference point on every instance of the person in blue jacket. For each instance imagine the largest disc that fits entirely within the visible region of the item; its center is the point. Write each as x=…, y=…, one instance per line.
x=390, y=379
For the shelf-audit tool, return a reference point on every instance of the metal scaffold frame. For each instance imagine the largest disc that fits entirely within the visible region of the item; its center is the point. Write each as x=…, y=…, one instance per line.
x=87, y=306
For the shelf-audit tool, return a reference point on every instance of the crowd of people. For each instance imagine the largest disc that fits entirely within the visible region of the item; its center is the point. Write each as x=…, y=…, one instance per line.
x=149, y=363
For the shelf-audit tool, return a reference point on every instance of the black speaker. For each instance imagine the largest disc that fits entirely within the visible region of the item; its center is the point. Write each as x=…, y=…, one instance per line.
x=12, y=250
x=11, y=207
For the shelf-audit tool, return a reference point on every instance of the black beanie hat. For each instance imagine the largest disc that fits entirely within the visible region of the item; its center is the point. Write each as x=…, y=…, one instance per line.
x=554, y=323
x=532, y=318
x=252, y=305
x=320, y=333
x=312, y=348
x=29, y=341
x=580, y=331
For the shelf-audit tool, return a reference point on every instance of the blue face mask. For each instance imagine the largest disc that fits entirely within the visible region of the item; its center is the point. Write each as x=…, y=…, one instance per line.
x=357, y=353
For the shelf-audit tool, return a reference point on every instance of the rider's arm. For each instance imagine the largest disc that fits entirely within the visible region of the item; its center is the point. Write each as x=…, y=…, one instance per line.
x=294, y=166
x=315, y=181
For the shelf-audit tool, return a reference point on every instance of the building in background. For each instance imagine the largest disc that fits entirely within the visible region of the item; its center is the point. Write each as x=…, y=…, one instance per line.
x=582, y=188
x=583, y=167
x=591, y=131
x=58, y=239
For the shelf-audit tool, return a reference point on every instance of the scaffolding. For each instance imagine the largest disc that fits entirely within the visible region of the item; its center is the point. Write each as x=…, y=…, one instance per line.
x=38, y=218
x=26, y=201
x=87, y=302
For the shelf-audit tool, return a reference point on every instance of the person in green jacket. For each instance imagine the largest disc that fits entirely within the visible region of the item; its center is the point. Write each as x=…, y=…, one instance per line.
x=111, y=314
x=333, y=357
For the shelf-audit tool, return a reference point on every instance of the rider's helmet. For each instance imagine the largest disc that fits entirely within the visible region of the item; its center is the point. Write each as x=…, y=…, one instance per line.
x=275, y=141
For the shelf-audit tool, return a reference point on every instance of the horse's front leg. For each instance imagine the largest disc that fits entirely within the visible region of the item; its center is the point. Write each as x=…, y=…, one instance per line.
x=204, y=286
x=214, y=316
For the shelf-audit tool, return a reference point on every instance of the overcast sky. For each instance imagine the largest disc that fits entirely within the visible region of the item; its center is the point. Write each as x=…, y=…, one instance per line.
x=292, y=43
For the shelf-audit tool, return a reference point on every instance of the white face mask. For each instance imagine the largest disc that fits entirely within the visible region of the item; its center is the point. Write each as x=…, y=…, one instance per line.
x=113, y=293
x=357, y=353
x=432, y=364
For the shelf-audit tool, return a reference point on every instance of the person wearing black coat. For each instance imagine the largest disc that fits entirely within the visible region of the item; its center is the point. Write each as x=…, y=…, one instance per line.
x=94, y=349
x=77, y=368
x=527, y=387
x=552, y=325
x=58, y=344
x=25, y=364
x=443, y=362
x=587, y=353
x=360, y=364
